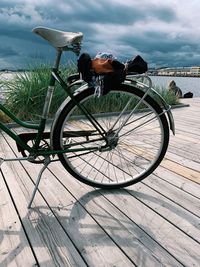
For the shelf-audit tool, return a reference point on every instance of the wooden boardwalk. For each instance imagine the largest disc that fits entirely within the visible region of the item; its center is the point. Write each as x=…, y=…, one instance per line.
x=153, y=223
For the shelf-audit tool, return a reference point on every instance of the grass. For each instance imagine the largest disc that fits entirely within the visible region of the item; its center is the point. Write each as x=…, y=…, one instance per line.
x=27, y=90
x=26, y=93
x=111, y=102
x=168, y=96
x=117, y=101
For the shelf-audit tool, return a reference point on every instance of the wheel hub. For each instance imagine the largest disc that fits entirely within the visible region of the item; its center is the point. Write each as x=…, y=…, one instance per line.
x=112, y=141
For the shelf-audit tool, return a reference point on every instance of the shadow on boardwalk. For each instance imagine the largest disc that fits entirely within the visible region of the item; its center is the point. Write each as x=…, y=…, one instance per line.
x=152, y=223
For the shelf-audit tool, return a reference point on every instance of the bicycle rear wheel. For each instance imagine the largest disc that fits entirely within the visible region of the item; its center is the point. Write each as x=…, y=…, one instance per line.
x=136, y=142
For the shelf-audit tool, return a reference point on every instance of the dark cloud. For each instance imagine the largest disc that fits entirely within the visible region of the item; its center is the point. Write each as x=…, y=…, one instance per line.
x=153, y=41
x=7, y=52
x=106, y=12
x=151, y=28
x=19, y=33
x=163, y=14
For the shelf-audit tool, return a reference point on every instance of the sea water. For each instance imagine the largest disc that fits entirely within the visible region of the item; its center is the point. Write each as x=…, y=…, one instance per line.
x=186, y=84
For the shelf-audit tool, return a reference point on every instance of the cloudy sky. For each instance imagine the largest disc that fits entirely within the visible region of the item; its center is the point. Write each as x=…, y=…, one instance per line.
x=165, y=33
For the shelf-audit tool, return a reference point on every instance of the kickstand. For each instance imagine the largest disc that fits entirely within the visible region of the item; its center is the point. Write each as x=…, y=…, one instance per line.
x=46, y=163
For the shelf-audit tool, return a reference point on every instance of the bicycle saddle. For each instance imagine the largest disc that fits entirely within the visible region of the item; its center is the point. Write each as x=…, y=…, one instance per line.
x=60, y=39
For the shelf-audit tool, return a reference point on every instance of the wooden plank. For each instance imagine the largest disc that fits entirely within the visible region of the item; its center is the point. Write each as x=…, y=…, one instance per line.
x=178, y=181
x=49, y=241
x=151, y=222
x=187, y=113
x=14, y=246
x=167, y=207
x=185, y=149
x=186, y=152
x=98, y=219
x=187, y=201
x=86, y=243
x=187, y=129
x=166, y=163
x=181, y=159
x=128, y=235
x=185, y=120
x=180, y=136
x=181, y=170
x=118, y=227
x=183, y=248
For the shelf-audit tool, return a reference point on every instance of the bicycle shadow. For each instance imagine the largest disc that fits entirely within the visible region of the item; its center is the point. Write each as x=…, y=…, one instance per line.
x=74, y=221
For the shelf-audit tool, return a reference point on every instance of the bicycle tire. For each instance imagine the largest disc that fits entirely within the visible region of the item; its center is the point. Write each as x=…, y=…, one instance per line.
x=135, y=154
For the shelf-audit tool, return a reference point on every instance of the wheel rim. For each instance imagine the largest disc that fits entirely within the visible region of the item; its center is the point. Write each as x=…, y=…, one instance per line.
x=134, y=154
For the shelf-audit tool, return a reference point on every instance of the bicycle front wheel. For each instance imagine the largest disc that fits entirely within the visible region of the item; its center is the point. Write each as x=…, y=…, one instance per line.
x=136, y=130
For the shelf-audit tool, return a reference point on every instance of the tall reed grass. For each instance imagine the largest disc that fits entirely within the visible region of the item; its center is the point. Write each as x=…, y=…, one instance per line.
x=27, y=90
x=168, y=96
x=26, y=93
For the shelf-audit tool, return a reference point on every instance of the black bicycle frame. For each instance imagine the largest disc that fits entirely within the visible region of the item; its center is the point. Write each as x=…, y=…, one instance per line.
x=40, y=127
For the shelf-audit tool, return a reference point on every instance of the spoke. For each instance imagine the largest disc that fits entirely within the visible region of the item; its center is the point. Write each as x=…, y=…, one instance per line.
x=132, y=112
x=95, y=168
x=122, y=157
x=114, y=168
x=135, y=151
x=136, y=134
x=139, y=126
x=122, y=112
x=137, y=119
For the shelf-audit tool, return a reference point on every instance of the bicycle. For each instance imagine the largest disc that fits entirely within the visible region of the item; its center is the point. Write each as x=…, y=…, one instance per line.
x=109, y=142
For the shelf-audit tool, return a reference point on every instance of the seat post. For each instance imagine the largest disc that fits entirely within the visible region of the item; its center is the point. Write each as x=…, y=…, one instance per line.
x=56, y=66
x=51, y=86
x=57, y=59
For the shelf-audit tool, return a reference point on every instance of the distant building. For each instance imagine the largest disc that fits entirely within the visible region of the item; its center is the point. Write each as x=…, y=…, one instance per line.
x=195, y=70
x=179, y=71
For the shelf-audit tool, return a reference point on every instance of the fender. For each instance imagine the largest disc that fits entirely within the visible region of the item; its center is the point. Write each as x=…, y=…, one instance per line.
x=166, y=107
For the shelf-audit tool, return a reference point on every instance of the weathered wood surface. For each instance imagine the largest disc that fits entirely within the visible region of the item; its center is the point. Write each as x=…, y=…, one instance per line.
x=153, y=223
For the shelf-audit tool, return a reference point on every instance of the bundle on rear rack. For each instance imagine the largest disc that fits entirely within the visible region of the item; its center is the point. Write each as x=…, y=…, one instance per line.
x=104, y=72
